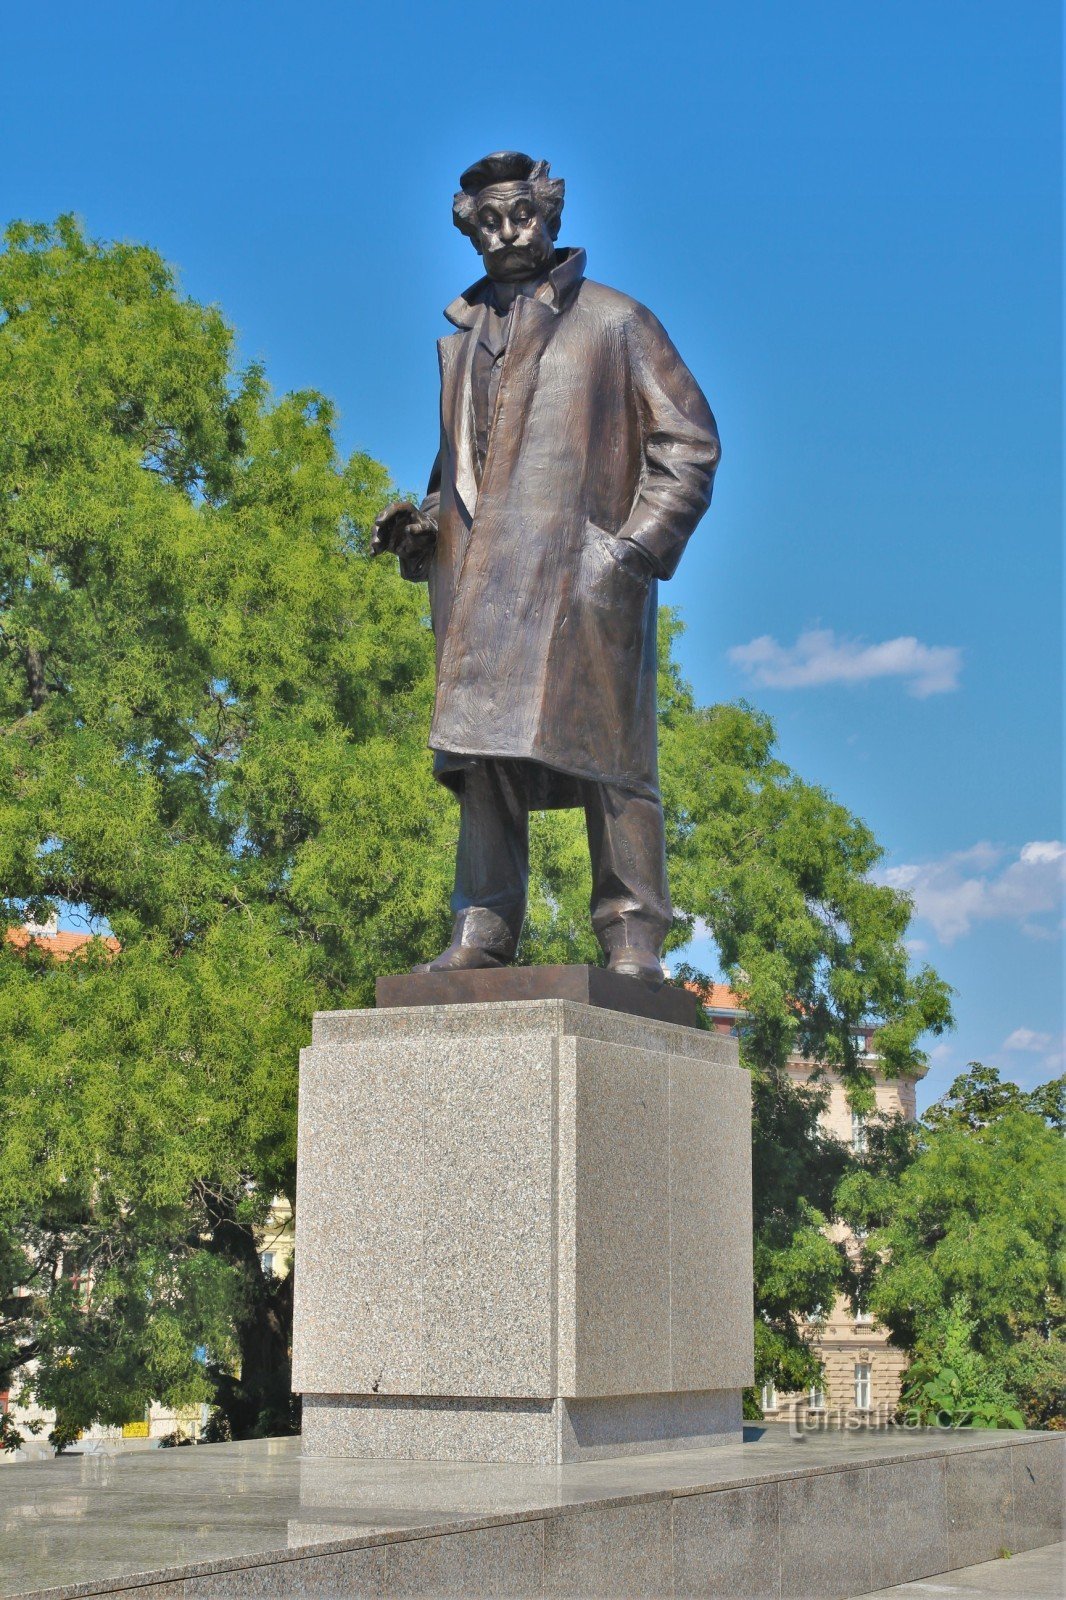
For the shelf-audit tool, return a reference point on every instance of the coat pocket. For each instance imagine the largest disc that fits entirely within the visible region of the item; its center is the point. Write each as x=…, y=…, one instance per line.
x=609, y=579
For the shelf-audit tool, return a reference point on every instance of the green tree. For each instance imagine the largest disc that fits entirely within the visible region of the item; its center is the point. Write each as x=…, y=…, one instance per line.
x=979, y=1096
x=964, y=1252
x=213, y=711
x=780, y=874
x=950, y=1384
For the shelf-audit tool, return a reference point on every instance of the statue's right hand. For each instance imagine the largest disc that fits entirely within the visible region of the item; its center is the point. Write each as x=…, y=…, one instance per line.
x=402, y=529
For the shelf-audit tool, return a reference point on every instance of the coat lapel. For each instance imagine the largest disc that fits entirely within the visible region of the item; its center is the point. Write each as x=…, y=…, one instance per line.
x=533, y=324
x=457, y=412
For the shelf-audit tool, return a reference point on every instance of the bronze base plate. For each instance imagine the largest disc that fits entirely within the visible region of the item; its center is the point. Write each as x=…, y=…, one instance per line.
x=590, y=986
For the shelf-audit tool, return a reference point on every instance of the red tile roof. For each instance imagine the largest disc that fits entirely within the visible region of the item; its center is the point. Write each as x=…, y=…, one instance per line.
x=721, y=997
x=60, y=945
x=717, y=996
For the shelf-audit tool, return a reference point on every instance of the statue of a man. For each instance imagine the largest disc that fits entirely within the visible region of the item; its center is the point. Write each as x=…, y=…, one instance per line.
x=576, y=457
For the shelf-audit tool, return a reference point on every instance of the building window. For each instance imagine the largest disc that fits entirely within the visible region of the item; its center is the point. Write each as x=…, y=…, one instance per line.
x=858, y=1132
x=862, y=1386
x=816, y=1400
x=769, y=1397
x=861, y=1313
x=267, y=1261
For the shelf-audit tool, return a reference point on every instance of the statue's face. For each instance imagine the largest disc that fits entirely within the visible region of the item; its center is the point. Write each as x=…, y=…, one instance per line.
x=513, y=236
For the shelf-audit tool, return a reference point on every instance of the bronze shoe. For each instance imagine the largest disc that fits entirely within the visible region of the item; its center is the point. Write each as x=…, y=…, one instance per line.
x=630, y=961
x=460, y=958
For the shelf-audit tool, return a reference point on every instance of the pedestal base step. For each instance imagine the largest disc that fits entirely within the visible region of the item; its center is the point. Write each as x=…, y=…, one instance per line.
x=817, y=1517
x=529, y=1432
x=590, y=986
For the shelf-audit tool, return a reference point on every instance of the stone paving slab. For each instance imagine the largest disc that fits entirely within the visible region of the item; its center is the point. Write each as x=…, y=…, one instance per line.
x=1034, y=1575
x=763, y=1518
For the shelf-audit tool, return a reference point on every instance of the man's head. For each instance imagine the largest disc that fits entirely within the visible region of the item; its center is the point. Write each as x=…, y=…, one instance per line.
x=510, y=210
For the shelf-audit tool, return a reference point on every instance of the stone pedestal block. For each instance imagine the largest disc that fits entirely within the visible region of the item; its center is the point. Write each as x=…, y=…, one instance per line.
x=523, y=1233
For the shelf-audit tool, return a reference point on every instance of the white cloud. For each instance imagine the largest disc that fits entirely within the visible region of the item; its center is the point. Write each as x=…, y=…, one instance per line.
x=819, y=657
x=1043, y=850
x=1050, y=1048
x=987, y=883
x=1028, y=1039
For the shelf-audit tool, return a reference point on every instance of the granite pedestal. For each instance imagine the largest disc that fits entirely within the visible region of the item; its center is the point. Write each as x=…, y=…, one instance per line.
x=523, y=1234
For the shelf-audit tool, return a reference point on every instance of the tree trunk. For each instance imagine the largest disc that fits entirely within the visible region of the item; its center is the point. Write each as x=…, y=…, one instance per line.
x=259, y=1401
x=38, y=690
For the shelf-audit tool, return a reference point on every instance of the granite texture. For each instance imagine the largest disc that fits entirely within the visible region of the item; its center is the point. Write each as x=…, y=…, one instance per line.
x=908, y=1522
x=710, y=1227
x=546, y=1018
x=256, y=1518
x=980, y=1507
x=487, y=1203
x=613, y=1551
x=528, y=1201
x=823, y=1534
x=360, y=1155
x=528, y=1432
x=619, y=1299
x=727, y=1543
x=648, y=1424
x=485, y=1561
x=424, y=1220
x=430, y=1428
x=354, y=1573
x=1037, y=1487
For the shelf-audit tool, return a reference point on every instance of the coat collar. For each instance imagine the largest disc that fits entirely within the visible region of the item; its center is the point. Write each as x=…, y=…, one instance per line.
x=555, y=292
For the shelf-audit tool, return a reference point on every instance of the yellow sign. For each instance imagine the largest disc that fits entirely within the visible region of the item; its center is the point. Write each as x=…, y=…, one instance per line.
x=135, y=1430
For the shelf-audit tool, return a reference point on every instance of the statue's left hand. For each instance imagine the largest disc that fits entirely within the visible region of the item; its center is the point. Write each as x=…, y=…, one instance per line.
x=403, y=529
x=633, y=556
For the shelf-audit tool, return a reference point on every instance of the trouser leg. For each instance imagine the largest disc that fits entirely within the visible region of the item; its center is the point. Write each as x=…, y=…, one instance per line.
x=492, y=862
x=630, y=897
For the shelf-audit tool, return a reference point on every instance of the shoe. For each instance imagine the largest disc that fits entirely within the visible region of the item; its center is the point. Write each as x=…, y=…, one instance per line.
x=630, y=961
x=459, y=958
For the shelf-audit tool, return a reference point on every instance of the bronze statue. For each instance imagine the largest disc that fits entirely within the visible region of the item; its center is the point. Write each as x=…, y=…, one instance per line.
x=576, y=457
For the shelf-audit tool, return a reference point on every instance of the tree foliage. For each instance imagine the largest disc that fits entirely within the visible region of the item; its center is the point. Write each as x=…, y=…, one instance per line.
x=213, y=711
x=965, y=1249
x=979, y=1096
x=950, y=1384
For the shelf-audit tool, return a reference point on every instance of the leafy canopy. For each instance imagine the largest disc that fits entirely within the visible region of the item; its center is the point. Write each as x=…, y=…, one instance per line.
x=213, y=712
x=965, y=1249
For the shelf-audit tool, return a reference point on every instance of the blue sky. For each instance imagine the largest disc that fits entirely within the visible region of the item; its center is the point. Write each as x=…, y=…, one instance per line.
x=848, y=217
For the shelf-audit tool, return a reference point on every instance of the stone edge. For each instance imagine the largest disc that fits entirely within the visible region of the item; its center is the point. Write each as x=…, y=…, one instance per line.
x=335, y=1030
x=132, y=1582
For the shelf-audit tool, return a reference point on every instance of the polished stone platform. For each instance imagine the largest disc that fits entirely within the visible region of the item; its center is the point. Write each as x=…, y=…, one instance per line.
x=828, y=1515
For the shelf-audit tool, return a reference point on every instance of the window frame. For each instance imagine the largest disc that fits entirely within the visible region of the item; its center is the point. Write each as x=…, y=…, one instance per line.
x=863, y=1379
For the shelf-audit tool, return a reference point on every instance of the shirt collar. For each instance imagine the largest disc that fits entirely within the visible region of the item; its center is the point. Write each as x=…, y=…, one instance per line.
x=555, y=292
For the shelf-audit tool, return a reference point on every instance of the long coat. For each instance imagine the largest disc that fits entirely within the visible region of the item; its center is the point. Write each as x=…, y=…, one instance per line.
x=546, y=647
